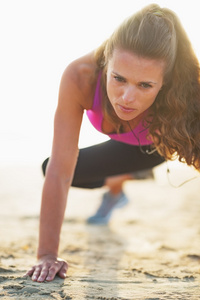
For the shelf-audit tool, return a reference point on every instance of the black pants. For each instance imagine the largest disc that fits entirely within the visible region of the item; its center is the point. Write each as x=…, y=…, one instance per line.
x=110, y=158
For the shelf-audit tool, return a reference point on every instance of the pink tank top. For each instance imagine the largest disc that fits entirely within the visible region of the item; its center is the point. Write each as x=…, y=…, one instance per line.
x=95, y=116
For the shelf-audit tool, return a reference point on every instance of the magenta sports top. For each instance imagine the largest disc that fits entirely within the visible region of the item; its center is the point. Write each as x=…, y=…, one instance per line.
x=95, y=116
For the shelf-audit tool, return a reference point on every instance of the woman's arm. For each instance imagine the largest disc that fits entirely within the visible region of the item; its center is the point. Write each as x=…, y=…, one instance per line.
x=59, y=174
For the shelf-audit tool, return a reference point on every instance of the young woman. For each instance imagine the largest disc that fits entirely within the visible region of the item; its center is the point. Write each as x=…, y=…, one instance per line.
x=142, y=89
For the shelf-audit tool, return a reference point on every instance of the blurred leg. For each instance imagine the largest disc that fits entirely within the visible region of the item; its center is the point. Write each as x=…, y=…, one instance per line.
x=110, y=163
x=111, y=158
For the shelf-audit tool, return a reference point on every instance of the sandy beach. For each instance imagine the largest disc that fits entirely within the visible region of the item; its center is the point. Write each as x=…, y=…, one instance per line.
x=150, y=250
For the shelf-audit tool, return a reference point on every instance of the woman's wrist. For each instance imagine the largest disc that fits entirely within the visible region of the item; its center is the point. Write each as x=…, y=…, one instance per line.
x=42, y=253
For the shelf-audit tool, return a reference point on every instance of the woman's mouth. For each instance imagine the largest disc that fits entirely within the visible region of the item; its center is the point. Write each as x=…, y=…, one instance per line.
x=126, y=109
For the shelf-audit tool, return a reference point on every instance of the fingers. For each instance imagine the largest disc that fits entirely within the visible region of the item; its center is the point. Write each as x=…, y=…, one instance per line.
x=63, y=271
x=52, y=272
x=59, y=268
x=34, y=272
x=39, y=273
x=43, y=275
x=47, y=271
x=30, y=272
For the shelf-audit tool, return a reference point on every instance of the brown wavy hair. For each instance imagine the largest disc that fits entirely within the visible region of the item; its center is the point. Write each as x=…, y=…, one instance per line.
x=174, y=118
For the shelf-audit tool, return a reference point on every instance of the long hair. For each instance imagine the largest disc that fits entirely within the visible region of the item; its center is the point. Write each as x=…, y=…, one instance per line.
x=174, y=117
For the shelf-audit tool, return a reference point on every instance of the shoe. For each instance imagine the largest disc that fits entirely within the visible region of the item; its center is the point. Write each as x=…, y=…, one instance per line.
x=109, y=203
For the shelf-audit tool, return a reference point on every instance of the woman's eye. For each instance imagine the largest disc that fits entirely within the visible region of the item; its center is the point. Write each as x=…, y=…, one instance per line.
x=145, y=85
x=118, y=78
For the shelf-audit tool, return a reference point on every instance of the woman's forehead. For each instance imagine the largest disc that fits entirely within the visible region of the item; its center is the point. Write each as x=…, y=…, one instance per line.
x=129, y=64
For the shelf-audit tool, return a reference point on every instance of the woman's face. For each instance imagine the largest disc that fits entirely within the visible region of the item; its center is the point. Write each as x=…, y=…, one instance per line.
x=133, y=83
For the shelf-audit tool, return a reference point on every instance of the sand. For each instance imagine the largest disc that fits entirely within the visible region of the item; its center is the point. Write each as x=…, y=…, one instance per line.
x=150, y=249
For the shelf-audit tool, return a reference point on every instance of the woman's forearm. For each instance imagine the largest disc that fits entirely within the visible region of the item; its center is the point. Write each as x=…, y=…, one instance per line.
x=54, y=198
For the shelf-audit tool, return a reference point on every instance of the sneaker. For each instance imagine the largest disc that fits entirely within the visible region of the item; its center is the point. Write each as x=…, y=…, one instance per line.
x=109, y=203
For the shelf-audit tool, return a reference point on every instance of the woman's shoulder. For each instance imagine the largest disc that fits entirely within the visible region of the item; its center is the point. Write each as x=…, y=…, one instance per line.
x=82, y=73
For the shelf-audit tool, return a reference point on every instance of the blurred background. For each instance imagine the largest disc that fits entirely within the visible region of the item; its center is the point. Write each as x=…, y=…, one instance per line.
x=38, y=40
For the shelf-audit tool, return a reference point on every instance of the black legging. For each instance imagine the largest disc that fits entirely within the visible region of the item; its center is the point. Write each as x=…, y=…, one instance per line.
x=110, y=158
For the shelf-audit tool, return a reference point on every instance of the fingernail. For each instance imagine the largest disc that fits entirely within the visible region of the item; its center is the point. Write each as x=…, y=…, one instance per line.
x=48, y=278
x=34, y=277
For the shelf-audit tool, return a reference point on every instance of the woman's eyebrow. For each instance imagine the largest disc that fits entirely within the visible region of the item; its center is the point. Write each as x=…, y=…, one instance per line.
x=143, y=81
x=115, y=73
x=149, y=82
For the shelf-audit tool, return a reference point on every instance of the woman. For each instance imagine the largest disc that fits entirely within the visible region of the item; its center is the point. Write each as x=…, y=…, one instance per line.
x=141, y=87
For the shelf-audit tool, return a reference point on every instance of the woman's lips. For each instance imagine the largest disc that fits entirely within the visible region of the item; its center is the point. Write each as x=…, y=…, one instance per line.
x=126, y=109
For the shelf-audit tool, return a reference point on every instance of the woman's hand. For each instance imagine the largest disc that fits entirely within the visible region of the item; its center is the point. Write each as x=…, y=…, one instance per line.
x=47, y=268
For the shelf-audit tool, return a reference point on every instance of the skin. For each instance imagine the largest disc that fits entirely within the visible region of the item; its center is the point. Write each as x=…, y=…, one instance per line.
x=130, y=97
x=133, y=83
x=115, y=183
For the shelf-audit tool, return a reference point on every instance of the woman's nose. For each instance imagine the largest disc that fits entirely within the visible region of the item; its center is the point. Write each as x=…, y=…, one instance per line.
x=129, y=94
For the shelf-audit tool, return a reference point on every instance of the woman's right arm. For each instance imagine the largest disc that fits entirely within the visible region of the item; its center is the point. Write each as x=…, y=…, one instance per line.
x=59, y=175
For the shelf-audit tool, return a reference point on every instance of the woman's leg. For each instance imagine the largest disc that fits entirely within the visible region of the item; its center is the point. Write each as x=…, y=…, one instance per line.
x=96, y=163
x=111, y=158
x=110, y=163
x=115, y=183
